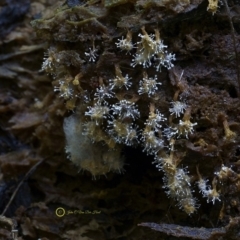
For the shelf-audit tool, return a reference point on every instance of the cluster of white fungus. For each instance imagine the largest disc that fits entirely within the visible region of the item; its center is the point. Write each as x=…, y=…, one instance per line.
x=107, y=117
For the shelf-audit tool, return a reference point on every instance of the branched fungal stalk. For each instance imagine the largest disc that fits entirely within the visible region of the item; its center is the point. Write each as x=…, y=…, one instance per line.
x=125, y=109
x=92, y=54
x=185, y=127
x=176, y=180
x=177, y=108
x=119, y=81
x=125, y=43
x=210, y=193
x=148, y=85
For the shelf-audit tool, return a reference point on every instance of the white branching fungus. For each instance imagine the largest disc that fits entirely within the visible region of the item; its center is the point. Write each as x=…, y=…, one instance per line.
x=177, y=108
x=97, y=113
x=210, y=193
x=164, y=59
x=64, y=89
x=148, y=85
x=125, y=44
x=102, y=93
x=185, y=127
x=47, y=64
x=92, y=54
x=122, y=132
x=152, y=47
x=119, y=81
x=176, y=180
x=151, y=143
x=155, y=118
x=125, y=109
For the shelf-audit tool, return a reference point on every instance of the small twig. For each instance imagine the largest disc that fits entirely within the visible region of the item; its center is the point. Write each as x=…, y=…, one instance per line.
x=189, y=232
x=20, y=184
x=234, y=44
